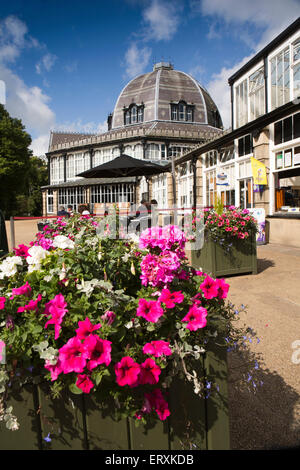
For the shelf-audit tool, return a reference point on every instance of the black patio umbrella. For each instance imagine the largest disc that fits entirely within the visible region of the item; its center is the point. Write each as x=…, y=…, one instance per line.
x=124, y=165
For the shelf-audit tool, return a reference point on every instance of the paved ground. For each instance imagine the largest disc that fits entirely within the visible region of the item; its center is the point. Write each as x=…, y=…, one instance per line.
x=269, y=418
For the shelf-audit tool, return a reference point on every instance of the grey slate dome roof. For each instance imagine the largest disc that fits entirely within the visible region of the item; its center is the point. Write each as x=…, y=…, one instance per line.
x=158, y=89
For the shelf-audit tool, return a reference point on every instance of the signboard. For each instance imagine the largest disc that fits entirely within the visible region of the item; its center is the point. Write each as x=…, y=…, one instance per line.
x=222, y=178
x=279, y=160
x=258, y=172
x=287, y=158
x=260, y=216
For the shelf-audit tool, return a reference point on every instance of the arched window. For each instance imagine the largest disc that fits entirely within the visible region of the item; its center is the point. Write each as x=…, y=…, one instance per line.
x=182, y=111
x=133, y=114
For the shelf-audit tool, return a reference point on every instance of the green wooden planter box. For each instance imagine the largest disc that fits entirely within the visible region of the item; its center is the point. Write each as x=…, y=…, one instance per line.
x=215, y=260
x=76, y=422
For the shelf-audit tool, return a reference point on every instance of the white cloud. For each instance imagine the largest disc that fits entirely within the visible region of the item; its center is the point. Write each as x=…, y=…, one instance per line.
x=269, y=17
x=162, y=20
x=136, y=60
x=46, y=63
x=40, y=145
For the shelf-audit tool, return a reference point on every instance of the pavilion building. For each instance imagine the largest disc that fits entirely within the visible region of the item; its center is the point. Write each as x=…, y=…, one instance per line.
x=158, y=116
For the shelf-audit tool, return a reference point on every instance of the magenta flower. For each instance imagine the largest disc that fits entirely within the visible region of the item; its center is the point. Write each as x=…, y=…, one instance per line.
x=22, y=250
x=151, y=310
x=55, y=369
x=98, y=351
x=86, y=328
x=127, y=371
x=196, y=318
x=73, y=356
x=2, y=302
x=31, y=306
x=150, y=372
x=157, y=348
x=84, y=383
x=57, y=309
x=23, y=290
x=223, y=288
x=155, y=400
x=209, y=288
x=109, y=317
x=2, y=346
x=171, y=298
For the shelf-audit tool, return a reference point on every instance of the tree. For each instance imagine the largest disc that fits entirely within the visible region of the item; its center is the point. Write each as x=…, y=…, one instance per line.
x=37, y=176
x=14, y=161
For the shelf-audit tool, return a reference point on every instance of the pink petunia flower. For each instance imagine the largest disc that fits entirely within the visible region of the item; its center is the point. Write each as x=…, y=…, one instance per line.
x=209, y=288
x=98, y=351
x=127, y=371
x=86, y=328
x=109, y=317
x=23, y=290
x=156, y=401
x=150, y=372
x=151, y=310
x=223, y=288
x=196, y=318
x=84, y=383
x=2, y=346
x=157, y=348
x=55, y=369
x=57, y=309
x=2, y=302
x=73, y=356
x=31, y=306
x=22, y=250
x=171, y=298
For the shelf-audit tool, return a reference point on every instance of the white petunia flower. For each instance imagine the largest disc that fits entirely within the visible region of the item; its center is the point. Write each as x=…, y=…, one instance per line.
x=9, y=266
x=37, y=253
x=63, y=242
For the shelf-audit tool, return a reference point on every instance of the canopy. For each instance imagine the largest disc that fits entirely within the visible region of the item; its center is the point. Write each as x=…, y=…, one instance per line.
x=126, y=166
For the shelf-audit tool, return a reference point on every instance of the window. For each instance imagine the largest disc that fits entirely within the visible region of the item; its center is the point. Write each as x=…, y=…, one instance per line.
x=211, y=158
x=241, y=103
x=57, y=170
x=159, y=190
x=245, y=145
x=152, y=152
x=287, y=129
x=128, y=150
x=296, y=69
x=257, y=93
x=97, y=158
x=133, y=114
x=280, y=78
x=71, y=196
x=50, y=208
x=226, y=155
x=182, y=112
x=111, y=193
x=138, y=151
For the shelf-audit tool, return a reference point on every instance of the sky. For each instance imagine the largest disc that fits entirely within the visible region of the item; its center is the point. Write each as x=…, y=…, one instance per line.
x=64, y=63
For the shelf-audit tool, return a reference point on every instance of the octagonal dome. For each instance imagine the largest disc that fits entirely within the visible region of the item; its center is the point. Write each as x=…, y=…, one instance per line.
x=157, y=94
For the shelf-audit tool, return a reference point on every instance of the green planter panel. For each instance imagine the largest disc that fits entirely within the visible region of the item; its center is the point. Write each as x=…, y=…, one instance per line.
x=76, y=422
x=214, y=259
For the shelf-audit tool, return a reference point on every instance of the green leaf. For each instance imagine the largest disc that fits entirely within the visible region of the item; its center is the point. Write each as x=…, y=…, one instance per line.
x=74, y=389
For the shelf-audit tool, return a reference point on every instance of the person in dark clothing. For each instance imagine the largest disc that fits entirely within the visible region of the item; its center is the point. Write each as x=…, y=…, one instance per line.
x=62, y=212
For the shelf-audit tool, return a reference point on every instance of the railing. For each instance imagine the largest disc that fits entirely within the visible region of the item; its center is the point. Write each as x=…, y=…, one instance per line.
x=129, y=133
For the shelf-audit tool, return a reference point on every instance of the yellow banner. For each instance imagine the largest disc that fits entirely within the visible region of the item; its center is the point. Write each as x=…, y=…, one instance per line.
x=259, y=172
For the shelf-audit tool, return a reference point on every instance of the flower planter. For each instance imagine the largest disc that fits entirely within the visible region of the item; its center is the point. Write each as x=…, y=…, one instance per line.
x=215, y=259
x=77, y=422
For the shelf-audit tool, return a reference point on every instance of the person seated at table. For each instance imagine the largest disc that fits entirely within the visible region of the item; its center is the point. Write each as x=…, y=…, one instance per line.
x=143, y=209
x=62, y=212
x=83, y=209
x=70, y=210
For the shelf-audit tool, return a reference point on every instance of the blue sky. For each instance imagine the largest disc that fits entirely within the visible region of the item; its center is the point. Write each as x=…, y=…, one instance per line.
x=65, y=62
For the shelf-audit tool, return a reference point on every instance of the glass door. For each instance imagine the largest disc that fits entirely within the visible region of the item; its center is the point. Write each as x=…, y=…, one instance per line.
x=246, y=193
